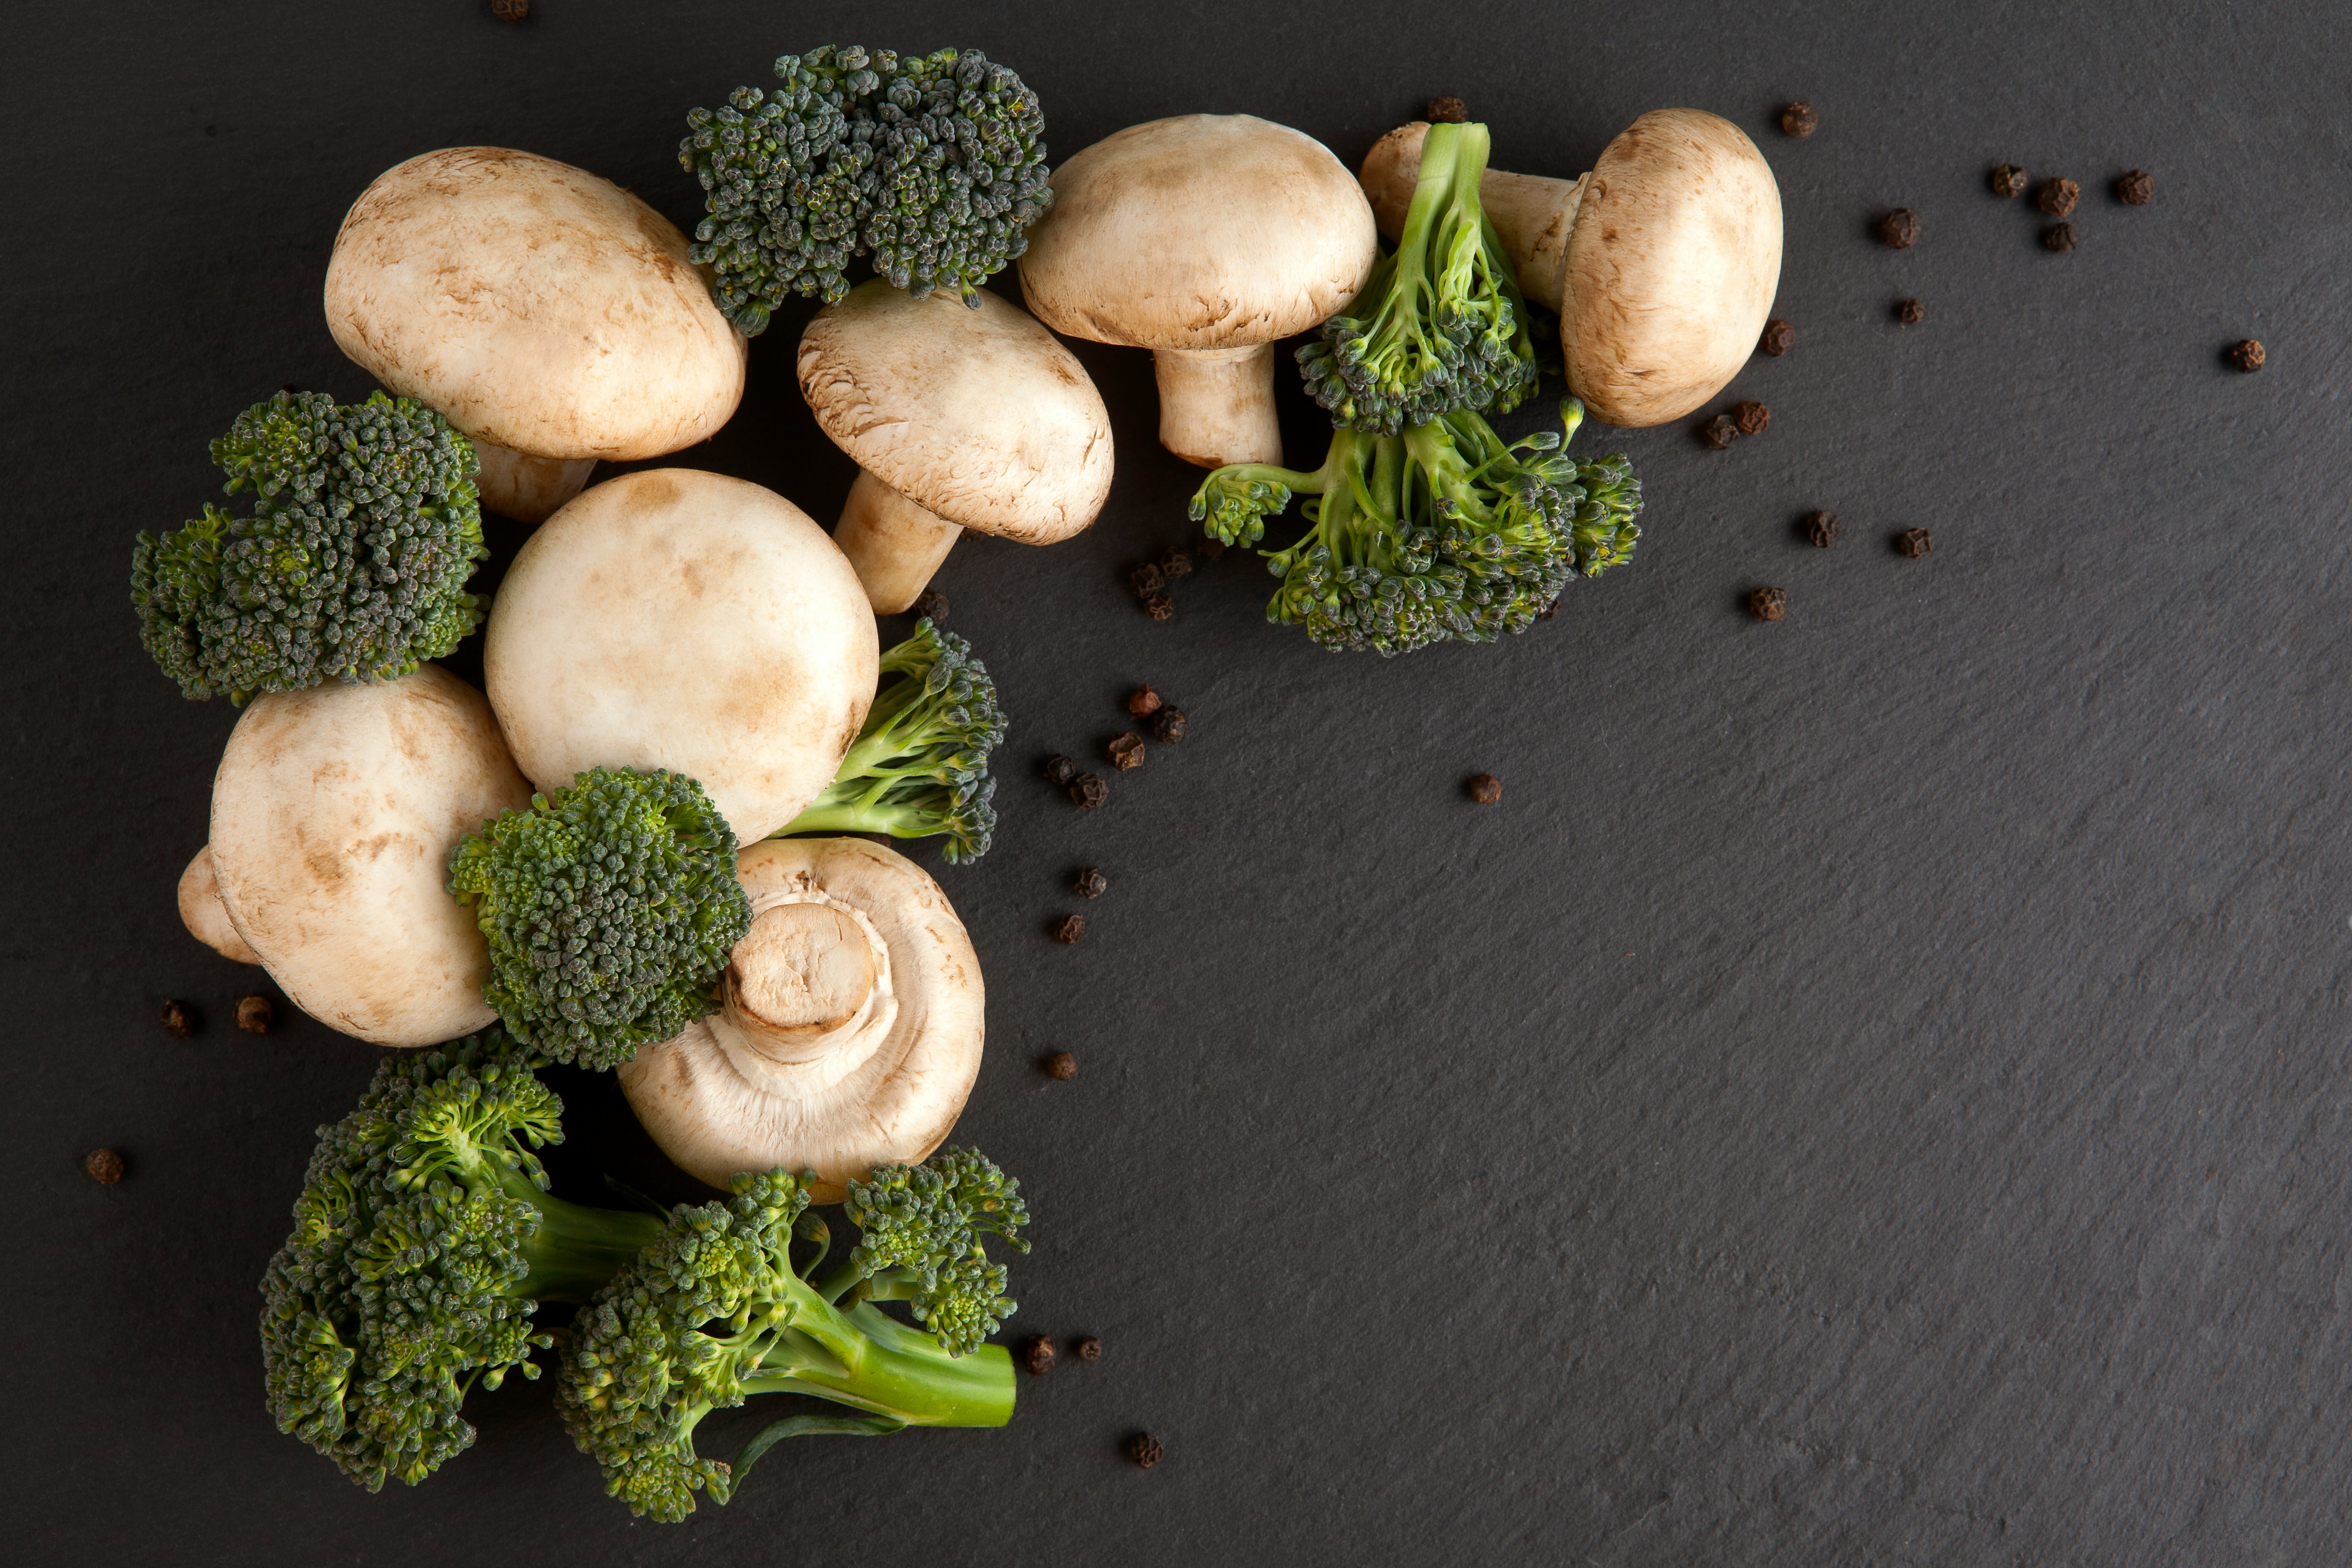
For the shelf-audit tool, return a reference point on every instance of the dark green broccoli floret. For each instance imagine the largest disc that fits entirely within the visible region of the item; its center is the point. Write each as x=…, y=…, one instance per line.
x=716, y=1311
x=424, y=1240
x=1440, y=326
x=353, y=567
x=934, y=166
x=921, y=764
x=609, y=907
x=1440, y=532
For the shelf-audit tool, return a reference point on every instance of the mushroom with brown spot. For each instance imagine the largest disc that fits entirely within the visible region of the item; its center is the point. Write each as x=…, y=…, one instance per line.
x=850, y=1032
x=548, y=314
x=957, y=418
x=1205, y=238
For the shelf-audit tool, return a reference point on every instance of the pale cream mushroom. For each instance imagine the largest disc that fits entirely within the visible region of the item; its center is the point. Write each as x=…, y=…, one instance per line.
x=1662, y=261
x=547, y=314
x=206, y=917
x=1204, y=238
x=682, y=620
x=334, y=813
x=958, y=417
x=850, y=1031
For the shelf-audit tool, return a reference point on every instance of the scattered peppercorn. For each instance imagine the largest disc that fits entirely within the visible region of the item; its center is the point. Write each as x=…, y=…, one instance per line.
x=1915, y=543
x=1127, y=751
x=1088, y=791
x=1753, y=418
x=1719, y=432
x=1090, y=883
x=1060, y=771
x=1063, y=1066
x=255, y=1015
x=2135, y=189
x=1146, y=579
x=1069, y=929
x=1910, y=313
x=2058, y=197
x=1900, y=228
x=1821, y=527
x=1037, y=1355
x=1777, y=339
x=1768, y=604
x=1486, y=788
x=1447, y=110
x=1799, y=119
x=105, y=1166
x=2058, y=237
x=1209, y=548
x=931, y=605
x=1159, y=606
x=2008, y=181
x=1170, y=725
x=1175, y=561
x=2247, y=356
x=509, y=10
x=1549, y=611
x=1144, y=1449
x=179, y=1020
x=1090, y=1349
x=1143, y=702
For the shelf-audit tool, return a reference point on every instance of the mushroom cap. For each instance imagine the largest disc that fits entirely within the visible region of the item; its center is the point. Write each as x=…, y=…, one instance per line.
x=1670, y=267
x=334, y=813
x=683, y=620
x=204, y=913
x=1206, y=231
x=979, y=415
x=535, y=305
x=719, y=1105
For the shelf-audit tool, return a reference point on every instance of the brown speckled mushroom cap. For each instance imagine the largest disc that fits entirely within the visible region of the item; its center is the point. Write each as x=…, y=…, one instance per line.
x=205, y=916
x=334, y=813
x=676, y=619
x=851, y=1030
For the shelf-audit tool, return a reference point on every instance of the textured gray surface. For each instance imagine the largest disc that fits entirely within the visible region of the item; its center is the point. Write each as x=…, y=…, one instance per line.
x=1873, y=1091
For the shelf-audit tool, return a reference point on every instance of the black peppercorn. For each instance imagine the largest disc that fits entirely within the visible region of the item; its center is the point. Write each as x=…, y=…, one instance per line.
x=1910, y=313
x=1768, y=604
x=1447, y=110
x=1088, y=791
x=1719, y=432
x=1821, y=527
x=1549, y=611
x=1060, y=771
x=2247, y=356
x=931, y=605
x=1753, y=418
x=509, y=10
x=1069, y=929
x=1170, y=725
x=255, y=1015
x=1090, y=1349
x=105, y=1166
x=1900, y=228
x=1799, y=119
x=1777, y=339
x=1063, y=1066
x=1915, y=543
x=1144, y=1449
x=179, y=1020
x=2135, y=189
x=1090, y=883
x=1037, y=1355
x=2008, y=181
x=1486, y=788
x=2057, y=197
x=1127, y=751
x=1175, y=561
x=2058, y=237
x=1143, y=702
x=1147, y=580
x=1209, y=548
x=1159, y=606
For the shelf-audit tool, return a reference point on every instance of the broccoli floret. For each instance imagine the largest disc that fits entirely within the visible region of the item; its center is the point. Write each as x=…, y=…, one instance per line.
x=921, y=764
x=610, y=907
x=716, y=1311
x=1440, y=532
x=932, y=164
x=353, y=567
x=423, y=1242
x=1440, y=326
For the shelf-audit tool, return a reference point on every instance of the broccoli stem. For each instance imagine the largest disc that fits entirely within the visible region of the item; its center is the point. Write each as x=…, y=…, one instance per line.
x=868, y=1360
x=577, y=1250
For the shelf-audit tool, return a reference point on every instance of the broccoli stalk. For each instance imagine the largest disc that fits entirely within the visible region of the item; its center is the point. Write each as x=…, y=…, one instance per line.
x=1440, y=532
x=920, y=766
x=1440, y=325
x=423, y=1242
x=716, y=1311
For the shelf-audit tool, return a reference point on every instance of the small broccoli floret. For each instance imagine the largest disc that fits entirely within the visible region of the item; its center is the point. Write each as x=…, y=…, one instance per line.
x=353, y=567
x=609, y=907
x=1440, y=326
x=921, y=764
x=1440, y=532
x=423, y=1242
x=932, y=164
x=716, y=1311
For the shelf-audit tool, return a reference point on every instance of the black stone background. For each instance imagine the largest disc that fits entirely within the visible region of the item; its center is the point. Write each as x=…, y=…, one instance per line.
x=1875, y=1090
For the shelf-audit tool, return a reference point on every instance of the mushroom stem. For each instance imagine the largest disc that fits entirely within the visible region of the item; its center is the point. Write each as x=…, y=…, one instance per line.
x=206, y=915
x=1533, y=216
x=895, y=544
x=526, y=487
x=807, y=994
x=1216, y=405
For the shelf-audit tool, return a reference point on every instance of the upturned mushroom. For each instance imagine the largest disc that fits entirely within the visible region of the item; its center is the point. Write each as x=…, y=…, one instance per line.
x=1662, y=261
x=957, y=418
x=682, y=620
x=850, y=1030
x=548, y=314
x=333, y=816
x=1204, y=238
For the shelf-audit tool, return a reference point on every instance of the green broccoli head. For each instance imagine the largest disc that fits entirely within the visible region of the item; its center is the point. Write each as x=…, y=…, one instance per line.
x=610, y=907
x=1440, y=326
x=422, y=1241
x=1441, y=533
x=934, y=166
x=920, y=1228
x=352, y=566
x=920, y=766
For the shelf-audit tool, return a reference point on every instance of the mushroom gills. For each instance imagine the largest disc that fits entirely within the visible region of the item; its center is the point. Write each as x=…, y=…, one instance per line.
x=1216, y=405
x=1533, y=216
x=526, y=487
x=206, y=915
x=895, y=544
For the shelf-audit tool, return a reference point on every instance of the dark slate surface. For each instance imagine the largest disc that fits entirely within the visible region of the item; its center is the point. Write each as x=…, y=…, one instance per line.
x=1873, y=1091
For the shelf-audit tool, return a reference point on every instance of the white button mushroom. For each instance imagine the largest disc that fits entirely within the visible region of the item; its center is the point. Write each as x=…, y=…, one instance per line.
x=548, y=314
x=206, y=917
x=683, y=620
x=957, y=418
x=1204, y=238
x=334, y=813
x=850, y=1033
x=1662, y=262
